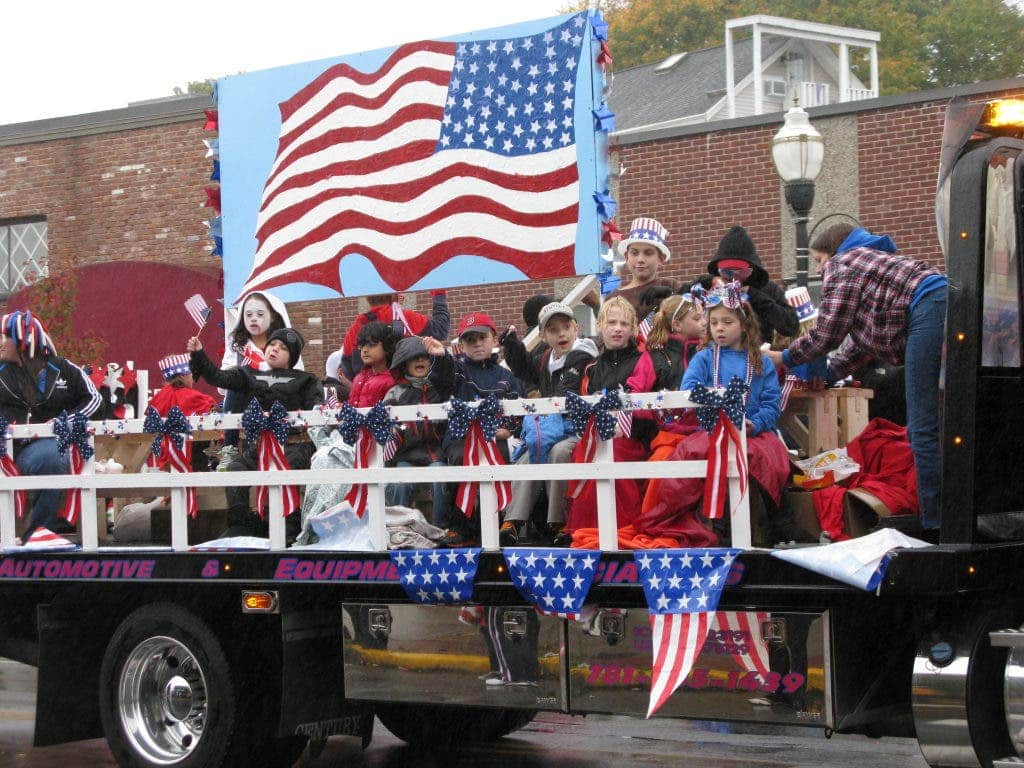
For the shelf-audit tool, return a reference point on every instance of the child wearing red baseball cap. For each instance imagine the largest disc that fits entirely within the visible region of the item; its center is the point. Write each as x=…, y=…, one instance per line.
x=478, y=374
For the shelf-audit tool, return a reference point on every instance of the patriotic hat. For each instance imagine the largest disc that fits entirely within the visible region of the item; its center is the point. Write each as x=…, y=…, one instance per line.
x=800, y=300
x=174, y=365
x=646, y=230
x=27, y=332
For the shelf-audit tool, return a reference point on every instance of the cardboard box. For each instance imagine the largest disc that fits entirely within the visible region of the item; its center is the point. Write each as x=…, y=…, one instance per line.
x=804, y=515
x=861, y=511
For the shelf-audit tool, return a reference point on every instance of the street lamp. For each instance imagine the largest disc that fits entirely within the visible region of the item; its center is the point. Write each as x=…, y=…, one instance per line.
x=798, y=150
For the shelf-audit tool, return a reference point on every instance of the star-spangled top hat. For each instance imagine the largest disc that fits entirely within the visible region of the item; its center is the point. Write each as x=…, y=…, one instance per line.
x=174, y=365
x=800, y=300
x=646, y=230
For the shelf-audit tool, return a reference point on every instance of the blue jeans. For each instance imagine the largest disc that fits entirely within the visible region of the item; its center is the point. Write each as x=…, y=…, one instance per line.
x=925, y=333
x=41, y=457
x=400, y=494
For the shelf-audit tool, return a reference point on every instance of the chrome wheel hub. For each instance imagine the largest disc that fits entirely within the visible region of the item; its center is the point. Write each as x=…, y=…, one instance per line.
x=162, y=700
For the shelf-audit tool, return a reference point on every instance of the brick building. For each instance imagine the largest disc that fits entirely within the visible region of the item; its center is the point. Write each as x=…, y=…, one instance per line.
x=127, y=185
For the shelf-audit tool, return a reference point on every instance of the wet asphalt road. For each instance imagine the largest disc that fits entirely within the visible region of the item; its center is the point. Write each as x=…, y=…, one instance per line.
x=551, y=741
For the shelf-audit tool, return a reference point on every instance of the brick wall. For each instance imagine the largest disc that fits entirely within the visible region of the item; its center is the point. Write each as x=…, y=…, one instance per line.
x=899, y=160
x=134, y=194
x=698, y=187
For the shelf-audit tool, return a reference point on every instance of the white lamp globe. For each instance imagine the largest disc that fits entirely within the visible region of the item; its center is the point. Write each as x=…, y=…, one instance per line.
x=797, y=148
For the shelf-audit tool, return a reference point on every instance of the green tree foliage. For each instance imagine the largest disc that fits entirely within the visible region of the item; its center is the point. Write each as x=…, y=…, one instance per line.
x=925, y=43
x=195, y=88
x=53, y=299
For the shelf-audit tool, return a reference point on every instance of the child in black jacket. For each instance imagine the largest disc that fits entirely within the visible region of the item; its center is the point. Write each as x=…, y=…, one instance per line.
x=294, y=389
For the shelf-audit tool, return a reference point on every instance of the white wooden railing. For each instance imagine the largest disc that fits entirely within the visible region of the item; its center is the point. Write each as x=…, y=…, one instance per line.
x=814, y=94
x=604, y=470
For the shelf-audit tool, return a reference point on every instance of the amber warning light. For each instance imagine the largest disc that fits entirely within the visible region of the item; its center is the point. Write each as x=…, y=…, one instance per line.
x=259, y=602
x=1004, y=113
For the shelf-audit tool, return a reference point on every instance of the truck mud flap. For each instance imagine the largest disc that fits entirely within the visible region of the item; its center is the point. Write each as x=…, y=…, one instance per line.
x=755, y=666
x=454, y=655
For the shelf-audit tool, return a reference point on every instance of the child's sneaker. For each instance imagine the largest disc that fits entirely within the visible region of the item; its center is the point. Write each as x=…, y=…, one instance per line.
x=560, y=537
x=456, y=539
x=508, y=534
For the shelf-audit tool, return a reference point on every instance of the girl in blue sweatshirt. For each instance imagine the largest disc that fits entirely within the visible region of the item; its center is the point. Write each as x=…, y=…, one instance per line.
x=732, y=351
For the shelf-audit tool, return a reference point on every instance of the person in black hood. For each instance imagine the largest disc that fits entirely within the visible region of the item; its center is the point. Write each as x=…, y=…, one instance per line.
x=737, y=259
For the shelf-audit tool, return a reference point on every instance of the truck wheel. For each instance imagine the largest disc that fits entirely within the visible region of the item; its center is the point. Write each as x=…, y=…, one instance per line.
x=448, y=726
x=168, y=697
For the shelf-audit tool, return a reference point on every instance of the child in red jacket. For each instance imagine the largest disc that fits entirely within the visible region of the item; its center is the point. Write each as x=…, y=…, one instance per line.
x=376, y=343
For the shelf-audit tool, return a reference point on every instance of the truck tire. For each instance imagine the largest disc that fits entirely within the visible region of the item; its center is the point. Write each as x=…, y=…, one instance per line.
x=168, y=696
x=449, y=726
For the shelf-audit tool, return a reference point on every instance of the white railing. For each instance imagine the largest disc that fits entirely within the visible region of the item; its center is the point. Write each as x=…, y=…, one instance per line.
x=813, y=94
x=604, y=470
x=859, y=94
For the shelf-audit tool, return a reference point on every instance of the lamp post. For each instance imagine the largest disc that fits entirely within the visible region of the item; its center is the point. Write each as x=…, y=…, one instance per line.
x=798, y=150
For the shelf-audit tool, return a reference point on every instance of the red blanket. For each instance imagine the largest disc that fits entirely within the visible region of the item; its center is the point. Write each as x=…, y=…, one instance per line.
x=886, y=471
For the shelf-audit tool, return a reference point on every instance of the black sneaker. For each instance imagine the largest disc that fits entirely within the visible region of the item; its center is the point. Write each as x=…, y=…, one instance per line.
x=456, y=539
x=562, y=539
x=508, y=534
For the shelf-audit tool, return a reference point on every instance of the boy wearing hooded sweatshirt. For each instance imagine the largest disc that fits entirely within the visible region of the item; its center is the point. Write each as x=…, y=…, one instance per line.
x=559, y=370
x=737, y=259
x=295, y=389
x=423, y=374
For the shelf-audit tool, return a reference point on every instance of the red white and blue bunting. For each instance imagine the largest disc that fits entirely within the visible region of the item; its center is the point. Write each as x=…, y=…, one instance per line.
x=172, y=447
x=72, y=435
x=269, y=433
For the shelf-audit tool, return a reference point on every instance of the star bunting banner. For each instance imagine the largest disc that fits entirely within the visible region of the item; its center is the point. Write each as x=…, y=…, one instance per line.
x=437, y=576
x=682, y=587
x=557, y=581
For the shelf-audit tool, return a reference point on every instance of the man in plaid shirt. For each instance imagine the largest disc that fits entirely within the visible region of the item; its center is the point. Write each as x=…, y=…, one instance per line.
x=876, y=305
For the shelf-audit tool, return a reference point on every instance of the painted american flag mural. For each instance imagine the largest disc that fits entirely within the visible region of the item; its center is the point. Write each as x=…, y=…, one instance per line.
x=485, y=148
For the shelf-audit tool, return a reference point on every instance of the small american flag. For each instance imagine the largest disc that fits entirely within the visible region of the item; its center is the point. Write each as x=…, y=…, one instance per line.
x=331, y=397
x=645, y=327
x=447, y=149
x=787, y=389
x=557, y=581
x=624, y=420
x=437, y=575
x=198, y=309
x=682, y=588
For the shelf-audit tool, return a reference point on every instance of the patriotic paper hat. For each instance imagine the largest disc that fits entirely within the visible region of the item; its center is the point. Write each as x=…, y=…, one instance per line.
x=800, y=300
x=646, y=230
x=174, y=365
x=27, y=332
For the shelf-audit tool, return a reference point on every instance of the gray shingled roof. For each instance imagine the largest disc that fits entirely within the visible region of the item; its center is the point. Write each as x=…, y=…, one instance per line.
x=641, y=96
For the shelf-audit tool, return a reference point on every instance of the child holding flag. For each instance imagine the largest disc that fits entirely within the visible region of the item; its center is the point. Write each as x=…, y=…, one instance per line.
x=284, y=383
x=732, y=357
